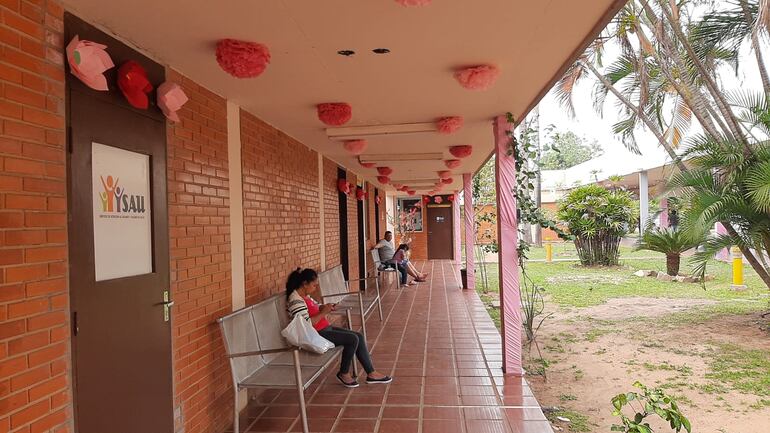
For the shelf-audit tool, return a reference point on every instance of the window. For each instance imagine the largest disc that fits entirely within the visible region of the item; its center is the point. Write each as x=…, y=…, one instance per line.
x=406, y=205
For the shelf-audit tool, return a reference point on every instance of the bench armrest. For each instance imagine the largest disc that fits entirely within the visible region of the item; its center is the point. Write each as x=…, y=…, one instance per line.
x=336, y=295
x=261, y=352
x=362, y=279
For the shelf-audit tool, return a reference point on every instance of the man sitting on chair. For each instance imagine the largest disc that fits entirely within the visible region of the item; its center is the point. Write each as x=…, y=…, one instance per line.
x=387, y=250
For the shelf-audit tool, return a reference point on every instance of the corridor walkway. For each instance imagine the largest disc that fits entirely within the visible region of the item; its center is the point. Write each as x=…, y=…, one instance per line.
x=445, y=355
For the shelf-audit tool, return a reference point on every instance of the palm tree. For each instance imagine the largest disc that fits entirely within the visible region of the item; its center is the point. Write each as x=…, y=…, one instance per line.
x=666, y=75
x=670, y=242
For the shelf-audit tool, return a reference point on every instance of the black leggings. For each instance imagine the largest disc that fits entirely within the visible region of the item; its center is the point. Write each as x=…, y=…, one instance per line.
x=354, y=344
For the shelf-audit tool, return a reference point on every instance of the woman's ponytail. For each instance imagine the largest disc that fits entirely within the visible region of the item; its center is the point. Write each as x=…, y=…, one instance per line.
x=299, y=277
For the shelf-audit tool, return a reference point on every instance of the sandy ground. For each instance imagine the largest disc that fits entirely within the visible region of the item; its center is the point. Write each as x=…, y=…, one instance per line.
x=592, y=360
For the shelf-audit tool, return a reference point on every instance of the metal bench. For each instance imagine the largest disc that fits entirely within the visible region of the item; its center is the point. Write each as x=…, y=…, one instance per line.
x=334, y=287
x=261, y=357
x=382, y=269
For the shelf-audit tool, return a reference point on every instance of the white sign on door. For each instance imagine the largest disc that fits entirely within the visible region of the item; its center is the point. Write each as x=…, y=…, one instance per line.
x=122, y=220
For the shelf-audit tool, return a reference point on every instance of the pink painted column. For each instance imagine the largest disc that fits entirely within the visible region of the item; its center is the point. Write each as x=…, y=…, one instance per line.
x=724, y=253
x=508, y=235
x=456, y=226
x=664, y=213
x=470, y=230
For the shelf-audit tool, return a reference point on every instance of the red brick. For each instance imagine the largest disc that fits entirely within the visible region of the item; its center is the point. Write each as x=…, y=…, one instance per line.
x=32, y=12
x=56, y=236
x=33, y=82
x=12, y=329
x=10, y=109
x=43, y=118
x=57, y=203
x=38, y=219
x=46, y=254
x=11, y=257
x=39, y=288
x=10, y=183
x=12, y=367
x=26, y=202
x=25, y=166
x=25, y=237
x=46, y=355
x=27, y=308
x=24, y=96
x=48, y=422
x=23, y=130
x=22, y=60
x=45, y=321
x=14, y=402
x=10, y=4
x=42, y=152
x=11, y=293
x=26, y=273
x=31, y=413
x=23, y=25
x=27, y=343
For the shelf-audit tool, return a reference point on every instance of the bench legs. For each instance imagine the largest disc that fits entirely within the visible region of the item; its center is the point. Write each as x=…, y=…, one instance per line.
x=379, y=298
x=363, y=315
x=350, y=326
x=236, y=413
x=301, y=392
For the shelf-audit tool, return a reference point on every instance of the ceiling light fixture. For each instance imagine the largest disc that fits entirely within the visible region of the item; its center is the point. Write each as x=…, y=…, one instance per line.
x=346, y=53
x=380, y=51
x=350, y=132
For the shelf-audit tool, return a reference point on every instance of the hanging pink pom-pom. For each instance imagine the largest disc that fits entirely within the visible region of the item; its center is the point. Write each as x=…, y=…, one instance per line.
x=383, y=180
x=438, y=199
x=334, y=113
x=444, y=174
x=452, y=163
x=408, y=3
x=355, y=147
x=404, y=188
x=480, y=77
x=418, y=204
x=446, y=181
x=361, y=194
x=449, y=125
x=463, y=151
x=384, y=171
x=242, y=59
x=398, y=186
x=451, y=197
x=411, y=192
x=426, y=199
x=343, y=186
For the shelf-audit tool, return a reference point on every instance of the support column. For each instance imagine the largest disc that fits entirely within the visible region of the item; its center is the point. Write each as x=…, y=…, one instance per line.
x=644, y=201
x=456, y=226
x=508, y=234
x=321, y=211
x=470, y=230
x=664, y=213
x=236, y=206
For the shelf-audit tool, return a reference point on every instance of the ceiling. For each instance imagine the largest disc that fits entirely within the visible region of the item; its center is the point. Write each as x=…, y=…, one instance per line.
x=529, y=40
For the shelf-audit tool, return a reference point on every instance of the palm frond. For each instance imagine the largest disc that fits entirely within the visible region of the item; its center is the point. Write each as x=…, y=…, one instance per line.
x=565, y=87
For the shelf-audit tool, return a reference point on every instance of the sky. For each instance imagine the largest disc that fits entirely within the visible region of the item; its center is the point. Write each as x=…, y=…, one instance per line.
x=589, y=125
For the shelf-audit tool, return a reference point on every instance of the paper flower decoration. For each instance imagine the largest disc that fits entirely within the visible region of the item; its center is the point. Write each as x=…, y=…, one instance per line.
x=426, y=199
x=398, y=186
x=361, y=194
x=384, y=171
x=366, y=164
x=418, y=204
x=383, y=180
x=88, y=61
x=446, y=181
x=411, y=192
x=334, y=113
x=451, y=197
x=242, y=59
x=444, y=174
x=134, y=84
x=404, y=188
x=463, y=151
x=408, y=3
x=378, y=199
x=170, y=99
x=452, y=163
x=480, y=77
x=449, y=125
x=355, y=147
x=438, y=199
x=343, y=186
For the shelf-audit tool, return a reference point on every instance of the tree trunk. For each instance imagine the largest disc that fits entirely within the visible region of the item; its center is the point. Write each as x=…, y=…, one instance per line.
x=672, y=264
x=755, y=45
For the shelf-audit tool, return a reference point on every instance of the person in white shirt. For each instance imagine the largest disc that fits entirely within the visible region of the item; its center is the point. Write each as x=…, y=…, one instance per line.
x=387, y=250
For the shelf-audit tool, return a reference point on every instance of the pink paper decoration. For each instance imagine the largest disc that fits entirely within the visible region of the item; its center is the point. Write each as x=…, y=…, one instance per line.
x=451, y=197
x=408, y=3
x=378, y=199
x=462, y=151
x=383, y=180
x=480, y=77
x=334, y=113
x=355, y=147
x=452, y=163
x=444, y=174
x=361, y=194
x=88, y=61
x=171, y=98
x=384, y=171
x=404, y=188
x=418, y=204
x=426, y=199
x=446, y=181
x=449, y=125
x=398, y=186
x=411, y=192
x=438, y=199
x=366, y=164
x=242, y=59
x=343, y=186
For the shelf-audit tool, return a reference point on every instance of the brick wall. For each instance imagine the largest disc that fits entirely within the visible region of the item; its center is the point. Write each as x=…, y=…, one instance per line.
x=280, y=205
x=199, y=227
x=331, y=213
x=352, y=231
x=34, y=329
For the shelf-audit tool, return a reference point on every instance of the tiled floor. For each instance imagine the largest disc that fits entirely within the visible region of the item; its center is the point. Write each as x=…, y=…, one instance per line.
x=445, y=356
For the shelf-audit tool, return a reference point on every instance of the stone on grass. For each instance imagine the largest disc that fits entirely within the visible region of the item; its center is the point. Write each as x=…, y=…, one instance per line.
x=641, y=273
x=664, y=277
x=563, y=419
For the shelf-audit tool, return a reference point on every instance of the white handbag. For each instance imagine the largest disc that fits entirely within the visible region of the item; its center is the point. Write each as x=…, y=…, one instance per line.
x=300, y=333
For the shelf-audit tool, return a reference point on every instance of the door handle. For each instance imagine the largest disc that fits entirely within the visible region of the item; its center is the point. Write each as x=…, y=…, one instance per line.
x=167, y=304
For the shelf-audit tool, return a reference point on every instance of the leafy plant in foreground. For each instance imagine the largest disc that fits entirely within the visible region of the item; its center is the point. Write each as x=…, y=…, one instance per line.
x=648, y=402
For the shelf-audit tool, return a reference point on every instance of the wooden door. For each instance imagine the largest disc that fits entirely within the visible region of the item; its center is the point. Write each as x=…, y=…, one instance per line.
x=440, y=233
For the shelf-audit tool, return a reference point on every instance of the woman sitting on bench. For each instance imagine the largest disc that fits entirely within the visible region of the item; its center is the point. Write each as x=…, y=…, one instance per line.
x=300, y=285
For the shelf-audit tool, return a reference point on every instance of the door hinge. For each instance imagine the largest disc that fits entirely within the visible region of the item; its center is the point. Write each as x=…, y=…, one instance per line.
x=75, y=328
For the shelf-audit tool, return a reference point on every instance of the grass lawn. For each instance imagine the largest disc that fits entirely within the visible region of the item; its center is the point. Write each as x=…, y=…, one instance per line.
x=705, y=345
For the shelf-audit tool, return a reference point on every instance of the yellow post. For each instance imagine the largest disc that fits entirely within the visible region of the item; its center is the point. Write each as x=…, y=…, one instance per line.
x=548, y=253
x=737, y=269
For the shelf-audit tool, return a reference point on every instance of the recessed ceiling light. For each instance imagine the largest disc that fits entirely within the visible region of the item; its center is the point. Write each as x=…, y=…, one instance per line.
x=380, y=51
x=346, y=53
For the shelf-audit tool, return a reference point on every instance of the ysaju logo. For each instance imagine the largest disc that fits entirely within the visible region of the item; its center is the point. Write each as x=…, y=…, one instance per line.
x=116, y=199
